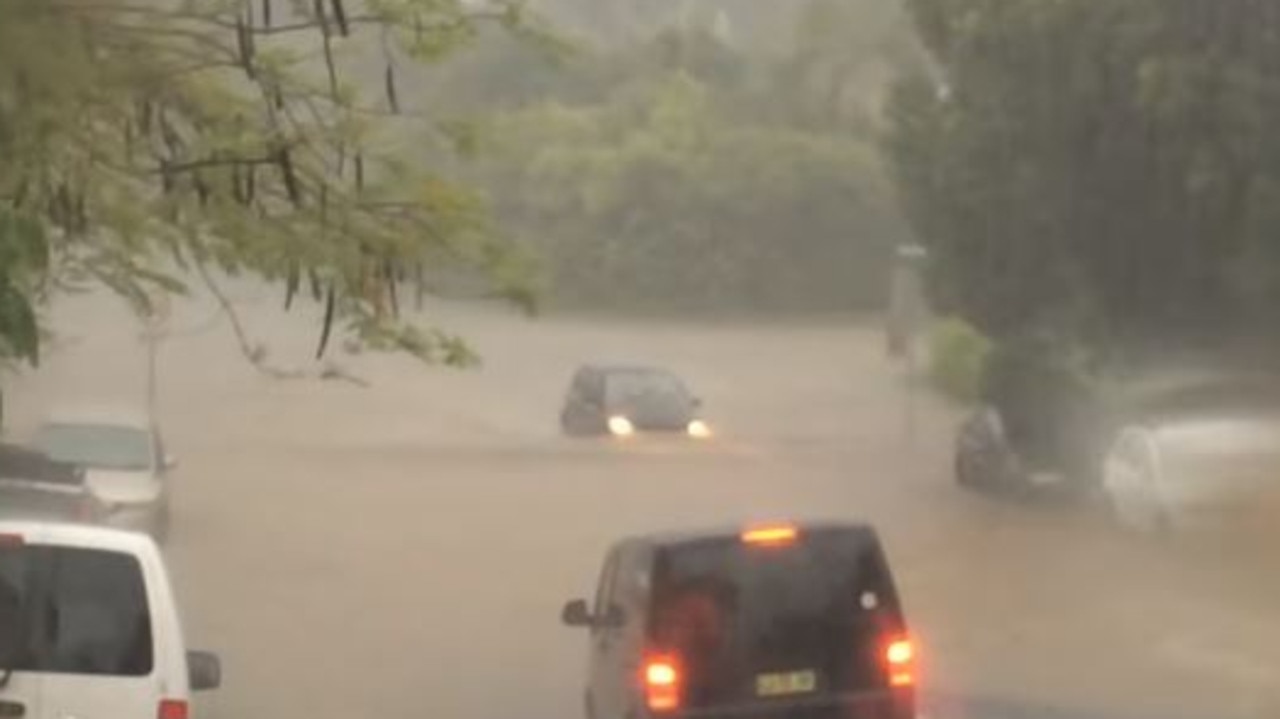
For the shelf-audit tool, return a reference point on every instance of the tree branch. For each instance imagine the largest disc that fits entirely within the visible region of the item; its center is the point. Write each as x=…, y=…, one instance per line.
x=255, y=355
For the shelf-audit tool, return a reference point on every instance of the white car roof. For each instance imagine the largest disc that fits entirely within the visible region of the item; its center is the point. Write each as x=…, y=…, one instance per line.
x=78, y=535
x=101, y=415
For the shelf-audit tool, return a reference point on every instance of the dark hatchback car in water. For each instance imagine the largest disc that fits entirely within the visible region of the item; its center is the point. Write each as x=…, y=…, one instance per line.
x=621, y=400
x=777, y=621
x=33, y=486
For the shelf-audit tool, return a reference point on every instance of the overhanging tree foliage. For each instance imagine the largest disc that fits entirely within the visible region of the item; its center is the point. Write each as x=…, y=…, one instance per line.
x=233, y=135
x=1112, y=165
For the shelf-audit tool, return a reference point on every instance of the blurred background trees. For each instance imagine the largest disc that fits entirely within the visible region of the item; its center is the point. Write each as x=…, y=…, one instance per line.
x=1107, y=168
x=698, y=155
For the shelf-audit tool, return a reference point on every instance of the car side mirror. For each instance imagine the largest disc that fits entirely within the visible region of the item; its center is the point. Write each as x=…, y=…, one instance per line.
x=576, y=614
x=204, y=671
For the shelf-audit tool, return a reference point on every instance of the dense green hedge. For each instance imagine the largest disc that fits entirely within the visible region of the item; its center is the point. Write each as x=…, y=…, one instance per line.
x=957, y=356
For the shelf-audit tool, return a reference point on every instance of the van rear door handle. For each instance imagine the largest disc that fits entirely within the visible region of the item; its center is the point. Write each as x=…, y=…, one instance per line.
x=12, y=710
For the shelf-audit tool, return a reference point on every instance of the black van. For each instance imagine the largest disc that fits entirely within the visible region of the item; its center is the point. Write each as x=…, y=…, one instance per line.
x=777, y=621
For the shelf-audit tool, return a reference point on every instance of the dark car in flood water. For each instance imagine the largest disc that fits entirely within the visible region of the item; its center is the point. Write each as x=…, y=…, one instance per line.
x=35, y=487
x=622, y=400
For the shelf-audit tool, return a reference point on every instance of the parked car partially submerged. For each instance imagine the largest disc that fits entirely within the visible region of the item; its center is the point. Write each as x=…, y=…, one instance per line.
x=1212, y=448
x=123, y=456
x=33, y=486
x=1151, y=445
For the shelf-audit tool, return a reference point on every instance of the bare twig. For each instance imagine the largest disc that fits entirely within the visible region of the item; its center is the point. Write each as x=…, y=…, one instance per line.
x=252, y=353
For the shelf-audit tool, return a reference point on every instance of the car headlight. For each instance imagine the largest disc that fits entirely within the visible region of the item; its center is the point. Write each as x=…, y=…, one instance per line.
x=698, y=428
x=620, y=426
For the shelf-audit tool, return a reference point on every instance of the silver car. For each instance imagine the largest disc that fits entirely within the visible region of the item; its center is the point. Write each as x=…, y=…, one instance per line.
x=1211, y=451
x=124, y=460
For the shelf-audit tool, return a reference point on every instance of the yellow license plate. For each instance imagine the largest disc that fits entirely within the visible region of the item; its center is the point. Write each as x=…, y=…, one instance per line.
x=772, y=685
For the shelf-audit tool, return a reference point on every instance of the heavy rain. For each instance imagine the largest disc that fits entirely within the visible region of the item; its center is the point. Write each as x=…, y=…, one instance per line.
x=995, y=282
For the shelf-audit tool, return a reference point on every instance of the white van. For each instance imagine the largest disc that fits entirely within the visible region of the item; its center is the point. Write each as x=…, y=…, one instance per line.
x=89, y=627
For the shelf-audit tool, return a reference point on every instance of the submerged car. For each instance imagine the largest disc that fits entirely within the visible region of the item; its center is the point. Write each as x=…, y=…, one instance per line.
x=1071, y=437
x=771, y=620
x=124, y=460
x=1209, y=449
x=1040, y=419
x=624, y=400
x=34, y=487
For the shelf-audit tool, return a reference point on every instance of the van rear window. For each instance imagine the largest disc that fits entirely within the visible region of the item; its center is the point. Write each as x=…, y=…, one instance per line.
x=74, y=611
x=800, y=621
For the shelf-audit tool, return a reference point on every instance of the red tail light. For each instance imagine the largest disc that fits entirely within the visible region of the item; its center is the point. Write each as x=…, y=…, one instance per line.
x=173, y=709
x=900, y=658
x=662, y=682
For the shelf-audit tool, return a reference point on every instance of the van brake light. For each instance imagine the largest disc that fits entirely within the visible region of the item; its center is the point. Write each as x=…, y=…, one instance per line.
x=662, y=684
x=172, y=709
x=771, y=535
x=900, y=657
x=11, y=540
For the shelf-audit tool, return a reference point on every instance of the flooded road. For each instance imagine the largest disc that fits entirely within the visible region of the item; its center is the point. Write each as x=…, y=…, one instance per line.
x=403, y=549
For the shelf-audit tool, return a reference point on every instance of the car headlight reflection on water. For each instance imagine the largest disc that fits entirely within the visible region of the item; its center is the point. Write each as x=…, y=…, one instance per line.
x=699, y=429
x=620, y=426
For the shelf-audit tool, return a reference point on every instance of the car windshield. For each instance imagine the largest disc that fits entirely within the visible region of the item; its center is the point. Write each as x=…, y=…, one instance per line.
x=79, y=611
x=97, y=446
x=623, y=386
x=824, y=607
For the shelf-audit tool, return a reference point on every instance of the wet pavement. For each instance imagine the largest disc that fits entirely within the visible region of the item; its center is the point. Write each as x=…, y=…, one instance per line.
x=403, y=549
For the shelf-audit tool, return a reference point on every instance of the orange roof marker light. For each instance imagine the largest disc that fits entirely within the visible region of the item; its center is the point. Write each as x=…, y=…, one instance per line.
x=771, y=535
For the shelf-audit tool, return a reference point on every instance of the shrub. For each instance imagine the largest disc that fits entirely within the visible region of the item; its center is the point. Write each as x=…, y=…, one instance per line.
x=957, y=355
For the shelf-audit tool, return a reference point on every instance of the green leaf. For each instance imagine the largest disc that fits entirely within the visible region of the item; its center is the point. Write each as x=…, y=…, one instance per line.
x=19, y=330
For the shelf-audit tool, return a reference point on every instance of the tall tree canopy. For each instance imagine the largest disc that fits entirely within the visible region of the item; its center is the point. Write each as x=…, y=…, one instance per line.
x=661, y=200
x=144, y=143
x=1109, y=164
